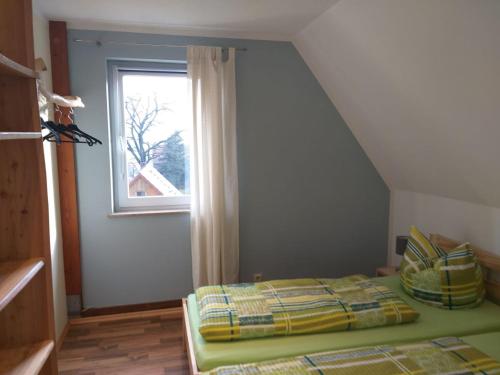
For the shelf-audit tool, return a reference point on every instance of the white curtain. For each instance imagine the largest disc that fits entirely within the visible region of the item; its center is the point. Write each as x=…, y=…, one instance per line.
x=214, y=172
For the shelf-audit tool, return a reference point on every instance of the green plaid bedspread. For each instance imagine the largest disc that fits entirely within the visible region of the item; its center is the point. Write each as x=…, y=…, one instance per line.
x=449, y=356
x=298, y=306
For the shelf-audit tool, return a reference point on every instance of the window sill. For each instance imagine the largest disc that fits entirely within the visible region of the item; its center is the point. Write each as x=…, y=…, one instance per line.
x=147, y=213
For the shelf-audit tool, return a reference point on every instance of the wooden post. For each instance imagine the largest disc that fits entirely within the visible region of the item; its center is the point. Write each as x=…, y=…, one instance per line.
x=66, y=168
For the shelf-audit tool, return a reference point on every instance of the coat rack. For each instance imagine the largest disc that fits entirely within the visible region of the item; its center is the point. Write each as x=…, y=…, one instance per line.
x=59, y=132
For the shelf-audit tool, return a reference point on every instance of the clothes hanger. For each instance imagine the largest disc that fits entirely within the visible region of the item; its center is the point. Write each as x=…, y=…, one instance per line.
x=76, y=130
x=58, y=129
x=73, y=134
x=61, y=133
x=53, y=134
x=61, y=128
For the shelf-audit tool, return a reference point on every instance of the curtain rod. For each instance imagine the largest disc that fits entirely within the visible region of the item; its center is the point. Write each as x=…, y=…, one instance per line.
x=99, y=43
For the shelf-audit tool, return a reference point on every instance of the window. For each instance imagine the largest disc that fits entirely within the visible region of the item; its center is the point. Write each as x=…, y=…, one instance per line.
x=150, y=132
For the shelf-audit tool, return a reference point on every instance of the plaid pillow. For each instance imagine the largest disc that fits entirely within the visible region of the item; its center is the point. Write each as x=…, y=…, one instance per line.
x=450, y=280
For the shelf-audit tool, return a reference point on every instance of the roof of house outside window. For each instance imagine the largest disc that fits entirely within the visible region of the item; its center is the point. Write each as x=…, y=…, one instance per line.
x=157, y=180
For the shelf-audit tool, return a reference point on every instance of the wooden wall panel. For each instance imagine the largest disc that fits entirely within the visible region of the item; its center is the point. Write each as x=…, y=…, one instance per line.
x=16, y=31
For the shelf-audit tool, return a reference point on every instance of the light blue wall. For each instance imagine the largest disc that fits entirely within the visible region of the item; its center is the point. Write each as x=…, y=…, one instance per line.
x=311, y=202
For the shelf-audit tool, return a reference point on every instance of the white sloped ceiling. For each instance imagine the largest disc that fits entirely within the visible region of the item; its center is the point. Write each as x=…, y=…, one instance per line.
x=262, y=19
x=418, y=82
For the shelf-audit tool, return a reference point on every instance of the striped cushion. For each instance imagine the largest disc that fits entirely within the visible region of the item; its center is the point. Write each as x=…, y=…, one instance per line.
x=291, y=307
x=450, y=280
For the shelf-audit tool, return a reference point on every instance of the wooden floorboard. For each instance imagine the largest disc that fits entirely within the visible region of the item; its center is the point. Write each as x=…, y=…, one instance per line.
x=146, y=345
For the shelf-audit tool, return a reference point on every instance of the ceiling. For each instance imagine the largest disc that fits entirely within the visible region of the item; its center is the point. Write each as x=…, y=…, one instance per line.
x=260, y=19
x=418, y=83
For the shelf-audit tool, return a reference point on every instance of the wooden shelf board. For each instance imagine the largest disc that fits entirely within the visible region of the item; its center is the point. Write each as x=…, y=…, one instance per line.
x=19, y=135
x=11, y=68
x=387, y=271
x=14, y=275
x=25, y=360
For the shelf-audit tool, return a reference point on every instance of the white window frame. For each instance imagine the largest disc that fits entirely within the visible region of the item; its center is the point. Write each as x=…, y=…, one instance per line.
x=121, y=200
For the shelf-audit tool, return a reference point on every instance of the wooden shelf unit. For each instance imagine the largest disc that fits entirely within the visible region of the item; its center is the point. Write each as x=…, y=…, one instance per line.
x=27, y=335
x=4, y=136
x=14, y=276
x=28, y=359
x=10, y=67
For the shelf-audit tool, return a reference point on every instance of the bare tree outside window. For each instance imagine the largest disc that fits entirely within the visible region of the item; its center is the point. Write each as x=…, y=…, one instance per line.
x=168, y=156
x=140, y=120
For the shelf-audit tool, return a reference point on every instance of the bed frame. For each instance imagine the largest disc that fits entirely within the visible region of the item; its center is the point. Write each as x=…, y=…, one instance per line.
x=489, y=261
x=188, y=340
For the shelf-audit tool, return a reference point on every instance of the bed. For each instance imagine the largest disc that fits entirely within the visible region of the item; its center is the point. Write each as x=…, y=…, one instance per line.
x=488, y=343
x=432, y=323
x=478, y=354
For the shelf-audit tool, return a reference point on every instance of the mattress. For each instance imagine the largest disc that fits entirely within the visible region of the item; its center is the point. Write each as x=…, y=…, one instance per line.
x=433, y=322
x=445, y=355
x=488, y=343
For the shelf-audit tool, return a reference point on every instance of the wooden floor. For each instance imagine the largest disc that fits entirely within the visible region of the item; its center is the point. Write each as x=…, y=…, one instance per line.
x=135, y=344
